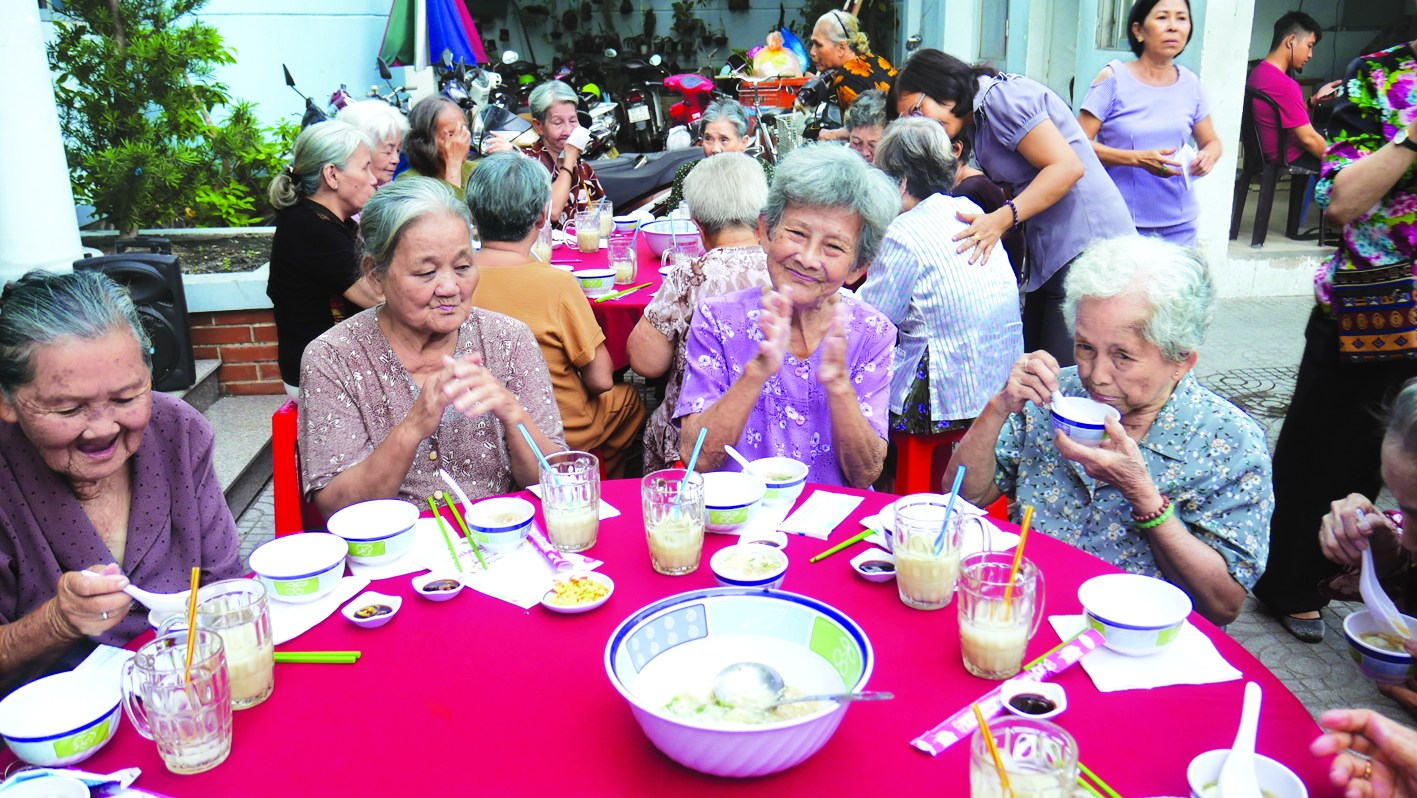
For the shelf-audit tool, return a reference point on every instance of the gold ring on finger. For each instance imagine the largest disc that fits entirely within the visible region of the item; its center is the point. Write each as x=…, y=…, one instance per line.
x=1368, y=772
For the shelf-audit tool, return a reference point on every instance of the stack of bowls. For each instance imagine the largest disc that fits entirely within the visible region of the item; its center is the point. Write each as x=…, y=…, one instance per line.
x=377, y=532
x=301, y=568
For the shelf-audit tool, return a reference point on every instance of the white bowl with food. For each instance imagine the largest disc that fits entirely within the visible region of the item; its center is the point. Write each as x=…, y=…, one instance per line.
x=783, y=478
x=371, y=609
x=438, y=585
x=378, y=531
x=1378, y=654
x=595, y=283
x=874, y=565
x=664, y=657
x=1276, y=780
x=731, y=499
x=63, y=719
x=500, y=524
x=749, y=565
x=572, y=594
x=1137, y=615
x=300, y=568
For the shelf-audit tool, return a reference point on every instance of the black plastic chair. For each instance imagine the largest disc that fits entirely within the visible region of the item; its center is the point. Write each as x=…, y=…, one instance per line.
x=1269, y=173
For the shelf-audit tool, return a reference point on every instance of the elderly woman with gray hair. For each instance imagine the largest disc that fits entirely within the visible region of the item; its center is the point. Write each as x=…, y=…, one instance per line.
x=378, y=387
x=800, y=369
x=726, y=196
x=574, y=186
x=960, y=329
x=314, y=279
x=386, y=127
x=101, y=473
x=507, y=196
x=865, y=122
x=725, y=130
x=439, y=142
x=1179, y=489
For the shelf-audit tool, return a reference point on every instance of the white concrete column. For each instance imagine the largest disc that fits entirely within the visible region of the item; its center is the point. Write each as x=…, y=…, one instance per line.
x=1224, y=55
x=38, y=228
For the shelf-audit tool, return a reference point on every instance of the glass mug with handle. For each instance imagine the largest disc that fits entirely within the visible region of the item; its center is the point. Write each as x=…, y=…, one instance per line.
x=586, y=229
x=190, y=720
x=237, y=609
x=996, y=619
x=1040, y=759
x=926, y=568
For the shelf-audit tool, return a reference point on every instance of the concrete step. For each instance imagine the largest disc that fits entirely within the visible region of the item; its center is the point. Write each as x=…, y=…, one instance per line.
x=243, y=446
x=205, y=390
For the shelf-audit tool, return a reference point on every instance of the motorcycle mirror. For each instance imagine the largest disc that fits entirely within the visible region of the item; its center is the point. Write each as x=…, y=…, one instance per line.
x=510, y=57
x=447, y=58
x=384, y=70
x=289, y=81
x=655, y=60
x=610, y=52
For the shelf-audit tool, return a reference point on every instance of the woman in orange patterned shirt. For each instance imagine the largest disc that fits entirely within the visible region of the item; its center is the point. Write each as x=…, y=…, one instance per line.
x=839, y=44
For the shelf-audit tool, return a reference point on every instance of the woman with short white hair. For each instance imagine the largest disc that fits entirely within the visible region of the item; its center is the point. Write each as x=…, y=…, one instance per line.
x=726, y=195
x=865, y=123
x=385, y=126
x=574, y=186
x=725, y=130
x=1179, y=489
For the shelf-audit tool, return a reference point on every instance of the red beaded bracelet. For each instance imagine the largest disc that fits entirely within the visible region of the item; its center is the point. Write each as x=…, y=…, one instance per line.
x=1150, y=517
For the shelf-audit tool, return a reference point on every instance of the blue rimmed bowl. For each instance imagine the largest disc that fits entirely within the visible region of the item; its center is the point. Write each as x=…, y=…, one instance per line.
x=301, y=568
x=679, y=644
x=731, y=499
x=500, y=524
x=1378, y=664
x=378, y=531
x=62, y=719
x=1137, y=615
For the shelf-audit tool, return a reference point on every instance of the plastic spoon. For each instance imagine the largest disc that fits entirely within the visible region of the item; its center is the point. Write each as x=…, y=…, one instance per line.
x=1237, y=775
x=1375, y=597
x=742, y=461
x=166, y=602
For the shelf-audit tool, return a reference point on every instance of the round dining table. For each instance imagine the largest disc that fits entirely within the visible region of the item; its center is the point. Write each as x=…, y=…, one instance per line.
x=475, y=696
x=616, y=317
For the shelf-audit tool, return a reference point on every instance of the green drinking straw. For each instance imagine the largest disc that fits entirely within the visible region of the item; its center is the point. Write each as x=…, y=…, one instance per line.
x=838, y=547
x=1099, y=782
x=1055, y=649
x=319, y=657
x=466, y=533
x=444, y=529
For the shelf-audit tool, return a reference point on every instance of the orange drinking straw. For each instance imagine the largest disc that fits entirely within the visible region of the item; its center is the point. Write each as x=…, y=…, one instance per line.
x=192, y=621
x=1018, y=552
x=993, y=749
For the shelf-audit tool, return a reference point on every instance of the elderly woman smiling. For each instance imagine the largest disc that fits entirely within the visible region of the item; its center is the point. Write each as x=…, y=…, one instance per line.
x=376, y=420
x=800, y=369
x=100, y=473
x=725, y=130
x=1180, y=489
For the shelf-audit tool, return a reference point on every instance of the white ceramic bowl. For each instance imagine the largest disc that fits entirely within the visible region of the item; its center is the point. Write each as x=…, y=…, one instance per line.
x=62, y=719
x=1380, y=665
x=874, y=555
x=1049, y=690
x=784, y=477
x=658, y=234
x=596, y=283
x=1080, y=418
x=724, y=564
x=680, y=643
x=500, y=525
x=1276, y=780
x=1137, y=615
x=625, y=224
x=48, y=786
x=300, y=568
x=369, y=598
x=576, y=609
x=378, y=531
x=732, y=499
x=887, y=514
x=420, y=585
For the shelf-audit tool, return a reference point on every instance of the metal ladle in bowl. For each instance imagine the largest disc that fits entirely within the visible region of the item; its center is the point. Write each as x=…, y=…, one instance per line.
x=754, y=685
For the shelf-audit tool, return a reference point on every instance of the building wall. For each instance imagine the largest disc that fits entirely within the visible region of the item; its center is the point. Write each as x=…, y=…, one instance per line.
x=245, y=342
x=1333, y=52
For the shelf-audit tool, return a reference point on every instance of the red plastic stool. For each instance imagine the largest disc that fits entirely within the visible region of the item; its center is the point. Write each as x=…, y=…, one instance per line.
x=999, y=510
x=915, y=471
x=292, y=513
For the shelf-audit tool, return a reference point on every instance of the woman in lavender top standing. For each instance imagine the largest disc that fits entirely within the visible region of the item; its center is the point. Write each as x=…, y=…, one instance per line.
x=1140, y=114
x=800, y=369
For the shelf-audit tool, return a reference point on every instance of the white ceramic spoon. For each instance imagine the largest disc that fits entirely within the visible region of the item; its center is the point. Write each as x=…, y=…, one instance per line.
x=742, y=461
x=1376, y=598
x=1237, y=775
x=165, y=602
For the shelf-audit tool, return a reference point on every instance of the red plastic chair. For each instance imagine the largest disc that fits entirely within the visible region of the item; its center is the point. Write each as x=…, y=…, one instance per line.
x=292, y=513
x=916, y=470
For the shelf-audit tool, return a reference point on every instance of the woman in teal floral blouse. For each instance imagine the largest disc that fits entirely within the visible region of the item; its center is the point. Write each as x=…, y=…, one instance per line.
x=1180, y=489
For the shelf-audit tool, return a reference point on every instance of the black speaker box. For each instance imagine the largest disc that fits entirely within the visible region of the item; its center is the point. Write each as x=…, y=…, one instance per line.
x=154, y=281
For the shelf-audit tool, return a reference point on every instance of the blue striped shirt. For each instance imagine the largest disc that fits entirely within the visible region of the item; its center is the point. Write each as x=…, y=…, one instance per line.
x=966, y=316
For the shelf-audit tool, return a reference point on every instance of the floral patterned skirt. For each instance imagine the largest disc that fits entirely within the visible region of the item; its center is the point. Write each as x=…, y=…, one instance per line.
x=916, y=418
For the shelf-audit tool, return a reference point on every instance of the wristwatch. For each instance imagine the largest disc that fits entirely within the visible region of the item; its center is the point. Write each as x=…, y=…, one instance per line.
x=1402, y=140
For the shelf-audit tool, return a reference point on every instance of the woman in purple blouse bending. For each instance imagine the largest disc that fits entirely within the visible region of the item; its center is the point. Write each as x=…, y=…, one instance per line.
x=97, y=471
x=800, y=369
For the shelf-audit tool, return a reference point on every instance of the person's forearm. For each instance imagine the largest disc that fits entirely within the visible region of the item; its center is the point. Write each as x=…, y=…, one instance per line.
x=859, y=450
x=1314, y=144
x=650, y=350
x=452, y=170
x=1054, y=181
x=1362, y=184
x=1111, y=156
x=526, y=466
x=724, y=419
x=561, y=189
x=378, y=476
x=1198, y=569
x=363, y=294
x=976, y=453
x=33, y=643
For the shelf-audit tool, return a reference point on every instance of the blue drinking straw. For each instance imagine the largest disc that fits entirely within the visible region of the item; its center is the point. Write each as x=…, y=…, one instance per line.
x=949, y=511
x=689, y=470
x=536, y=450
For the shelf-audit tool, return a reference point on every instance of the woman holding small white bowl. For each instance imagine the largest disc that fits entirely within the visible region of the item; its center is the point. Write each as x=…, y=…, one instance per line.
x=1180, y=487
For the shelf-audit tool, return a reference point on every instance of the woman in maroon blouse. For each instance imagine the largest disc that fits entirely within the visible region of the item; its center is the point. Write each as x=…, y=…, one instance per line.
x=97, y=471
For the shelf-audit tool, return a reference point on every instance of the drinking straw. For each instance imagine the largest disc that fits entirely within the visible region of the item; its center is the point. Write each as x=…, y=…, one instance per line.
x=444, y=529
x=191, y=622
x=465, y=531
x=619, y=294
x=1099, y=782
x=993, y=749
x=1018, y=551
x=838, y=547
x=1055, y=649
x=689, y=469
x=949, y=510
x=1089, y=788
x=536, y=450
x=319, y=657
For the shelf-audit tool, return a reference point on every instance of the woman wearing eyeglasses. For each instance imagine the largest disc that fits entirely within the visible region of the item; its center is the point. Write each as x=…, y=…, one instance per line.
x=1025, y=137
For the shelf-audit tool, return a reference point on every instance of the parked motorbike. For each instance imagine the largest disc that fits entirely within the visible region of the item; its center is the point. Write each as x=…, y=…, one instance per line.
x=313, y=115
x=398, y=96
x=518, y=78
x=817, y=100
x=643, y=114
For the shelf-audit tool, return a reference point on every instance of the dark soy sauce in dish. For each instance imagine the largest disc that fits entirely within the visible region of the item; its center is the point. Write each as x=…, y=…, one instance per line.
x=877, y=567
x=1032, y=704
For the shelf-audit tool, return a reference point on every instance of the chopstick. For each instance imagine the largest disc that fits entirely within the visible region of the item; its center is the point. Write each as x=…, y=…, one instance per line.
x=838, y=547
x=1111, y=793
x=1089, y=788
x=619, y=294
x=444, y=529
x=319, y=657
x=466, y=532
x=1055, y=649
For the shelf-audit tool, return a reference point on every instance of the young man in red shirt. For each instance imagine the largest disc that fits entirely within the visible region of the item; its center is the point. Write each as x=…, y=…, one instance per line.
x=1295, y=35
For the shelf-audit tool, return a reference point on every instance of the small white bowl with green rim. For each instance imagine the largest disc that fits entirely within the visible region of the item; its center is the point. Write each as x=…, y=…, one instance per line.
x=731, y=498
x=1137, y=615
x=596, y=283
x=300, y=568
x=784, y=477
x=62, y=719
x=378, y=531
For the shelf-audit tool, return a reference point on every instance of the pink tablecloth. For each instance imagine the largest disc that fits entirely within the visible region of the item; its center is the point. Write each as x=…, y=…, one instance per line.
x=475, y=696
x=617, y=317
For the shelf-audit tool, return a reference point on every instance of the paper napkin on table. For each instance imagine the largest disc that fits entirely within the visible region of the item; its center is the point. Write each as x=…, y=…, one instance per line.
x=521, y=576
x=606, y=509
x=768, y=519
x=289, y=621
x=1190, y=659
x=999, y=540
x=820, y=514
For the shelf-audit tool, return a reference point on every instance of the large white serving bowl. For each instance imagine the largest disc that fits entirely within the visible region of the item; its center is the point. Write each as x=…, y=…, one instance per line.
x=299, y=569
x=378, y=531
x=1137, y=615
x=658, y=234
x=62, y=719
x=682, y=642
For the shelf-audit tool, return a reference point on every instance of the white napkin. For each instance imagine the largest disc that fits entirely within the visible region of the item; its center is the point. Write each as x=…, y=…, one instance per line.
x=820, y=514
x=1190, y=659
x=606, y=509
x=1185, y=156
x=884, y=521
x=289, y=621
x=768, y=519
